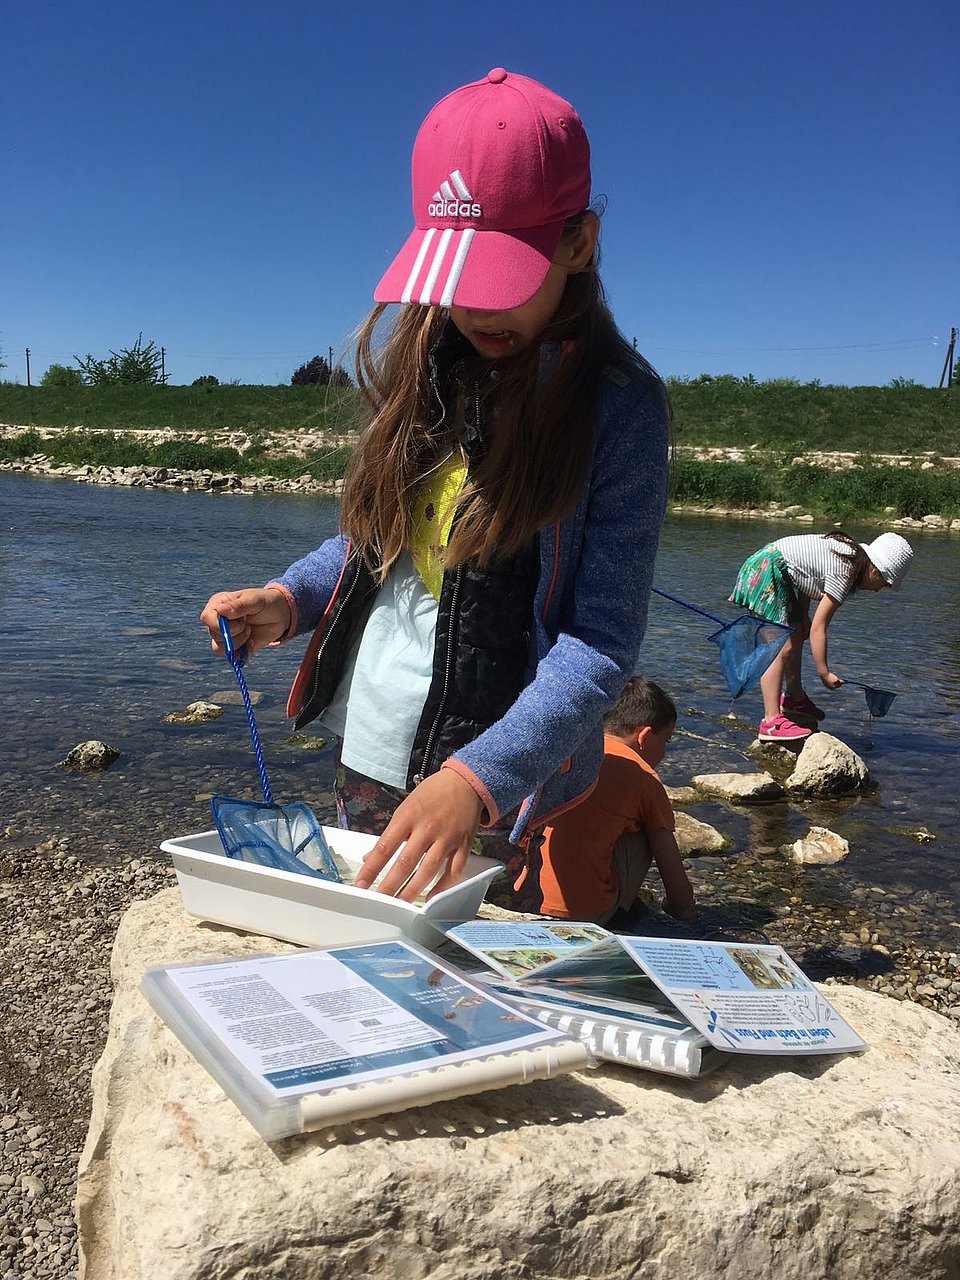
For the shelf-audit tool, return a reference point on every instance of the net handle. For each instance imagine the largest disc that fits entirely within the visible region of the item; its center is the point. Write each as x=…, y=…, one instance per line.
x=236, y=661
x=676, y=600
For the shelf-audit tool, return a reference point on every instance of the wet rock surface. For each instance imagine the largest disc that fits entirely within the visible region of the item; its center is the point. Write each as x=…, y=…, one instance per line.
x=827, y=766
x=740, y=788
x=92, y=756
x=819, y=847
x=195, y=713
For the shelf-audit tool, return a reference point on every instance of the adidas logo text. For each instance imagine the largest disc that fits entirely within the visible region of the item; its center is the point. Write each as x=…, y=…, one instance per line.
x=452, y=199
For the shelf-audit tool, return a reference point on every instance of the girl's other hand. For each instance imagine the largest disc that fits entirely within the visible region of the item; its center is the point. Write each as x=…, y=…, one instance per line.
x=438, y=821
x=831, y=681
x=258, y=616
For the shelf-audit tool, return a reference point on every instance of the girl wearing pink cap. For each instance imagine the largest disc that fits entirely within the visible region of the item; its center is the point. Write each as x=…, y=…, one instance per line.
x=485, y=600
x=778, y=583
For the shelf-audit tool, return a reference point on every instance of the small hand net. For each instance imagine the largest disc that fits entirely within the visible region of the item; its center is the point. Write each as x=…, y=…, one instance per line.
x=878, y=700
x=284, y=837
x=747, y=647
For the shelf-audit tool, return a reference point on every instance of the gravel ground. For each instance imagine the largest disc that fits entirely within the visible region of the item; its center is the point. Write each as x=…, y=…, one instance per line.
x=59, y=917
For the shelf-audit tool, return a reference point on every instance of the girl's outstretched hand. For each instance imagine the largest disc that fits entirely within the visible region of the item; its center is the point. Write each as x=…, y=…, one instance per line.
x=438, y=821
x=257, y=615
x=831, y=681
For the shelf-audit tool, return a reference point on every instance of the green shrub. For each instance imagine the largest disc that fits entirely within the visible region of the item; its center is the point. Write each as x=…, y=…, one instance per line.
x=62, y=375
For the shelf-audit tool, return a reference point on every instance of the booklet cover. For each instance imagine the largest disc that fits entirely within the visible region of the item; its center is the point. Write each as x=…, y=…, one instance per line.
x=314, y=1038
x=741, y=997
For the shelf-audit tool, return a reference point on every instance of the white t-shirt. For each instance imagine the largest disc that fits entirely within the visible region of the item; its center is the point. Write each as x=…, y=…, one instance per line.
x=380, y=697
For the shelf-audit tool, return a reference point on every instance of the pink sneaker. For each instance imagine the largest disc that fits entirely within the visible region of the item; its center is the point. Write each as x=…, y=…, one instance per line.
x=780, y=729
x=804, y=706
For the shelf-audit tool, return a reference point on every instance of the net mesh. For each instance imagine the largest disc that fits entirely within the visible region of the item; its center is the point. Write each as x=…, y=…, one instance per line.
x=879, y=701
x=747, y=647
x=283, y=837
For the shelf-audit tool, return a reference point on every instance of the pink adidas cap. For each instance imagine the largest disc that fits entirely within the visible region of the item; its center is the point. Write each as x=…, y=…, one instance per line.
x=498, y=165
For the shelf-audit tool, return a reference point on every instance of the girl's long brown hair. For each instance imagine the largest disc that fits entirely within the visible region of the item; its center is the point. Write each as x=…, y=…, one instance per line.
x=857, y=559
x=539, y=444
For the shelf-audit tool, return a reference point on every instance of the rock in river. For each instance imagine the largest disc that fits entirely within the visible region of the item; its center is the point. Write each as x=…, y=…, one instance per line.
x=91, y=756
x=740, y=788
x=827, y=766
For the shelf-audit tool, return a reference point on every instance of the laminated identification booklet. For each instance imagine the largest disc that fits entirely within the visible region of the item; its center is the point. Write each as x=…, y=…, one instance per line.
x=314, y=1038
x=617, y=1011
x=740, y=997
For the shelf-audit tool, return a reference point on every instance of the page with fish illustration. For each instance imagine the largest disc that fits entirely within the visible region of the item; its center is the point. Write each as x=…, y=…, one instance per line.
x=514, y=948
x=280, y=1031
x=743, y=997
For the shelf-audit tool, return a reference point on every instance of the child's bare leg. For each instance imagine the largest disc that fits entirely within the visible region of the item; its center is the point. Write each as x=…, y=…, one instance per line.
x=771, y=682
x=793, y=659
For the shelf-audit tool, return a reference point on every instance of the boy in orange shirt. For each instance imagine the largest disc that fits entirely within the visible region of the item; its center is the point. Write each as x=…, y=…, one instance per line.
x=593, y=859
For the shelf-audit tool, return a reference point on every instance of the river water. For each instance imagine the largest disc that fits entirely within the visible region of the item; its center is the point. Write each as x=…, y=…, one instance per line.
x=101, y=588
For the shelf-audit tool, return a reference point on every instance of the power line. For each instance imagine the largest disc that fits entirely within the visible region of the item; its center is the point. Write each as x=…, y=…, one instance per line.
x=892, y=345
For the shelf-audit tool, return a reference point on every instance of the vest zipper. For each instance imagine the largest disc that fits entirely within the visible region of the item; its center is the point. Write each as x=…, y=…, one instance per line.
x=452, y=630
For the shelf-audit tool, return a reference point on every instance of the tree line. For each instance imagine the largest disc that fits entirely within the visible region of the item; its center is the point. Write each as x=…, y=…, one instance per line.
x=143, y=363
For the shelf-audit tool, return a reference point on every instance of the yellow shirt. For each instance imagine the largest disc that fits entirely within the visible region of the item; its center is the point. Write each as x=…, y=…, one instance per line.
x=433, y=512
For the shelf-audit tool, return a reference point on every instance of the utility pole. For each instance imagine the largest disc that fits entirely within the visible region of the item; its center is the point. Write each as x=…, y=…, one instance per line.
x=28, y=366
x=946, y=374
x=330, y=358
x=163, y=366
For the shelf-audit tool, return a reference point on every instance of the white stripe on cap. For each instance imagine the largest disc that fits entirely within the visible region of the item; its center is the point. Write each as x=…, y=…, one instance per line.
x=457, y=179
x=437, y=263
x=447, y=191
x=417, y=264
x=456, y=267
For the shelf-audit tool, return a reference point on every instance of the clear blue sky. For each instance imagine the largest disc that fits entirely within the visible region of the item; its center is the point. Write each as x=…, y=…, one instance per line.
x=231, y=178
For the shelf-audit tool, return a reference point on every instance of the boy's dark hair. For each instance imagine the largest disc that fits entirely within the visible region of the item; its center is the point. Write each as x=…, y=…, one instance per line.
x=641, y=702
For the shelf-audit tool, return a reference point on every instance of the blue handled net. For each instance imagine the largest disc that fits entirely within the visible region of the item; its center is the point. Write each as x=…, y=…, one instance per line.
x=747, y=645
x=284, y=837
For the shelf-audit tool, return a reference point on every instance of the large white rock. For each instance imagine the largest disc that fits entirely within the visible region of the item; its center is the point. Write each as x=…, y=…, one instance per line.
x=819, y=847
x=740, y=788
x=792, y=1169
x=827, y=766
x=694, y=836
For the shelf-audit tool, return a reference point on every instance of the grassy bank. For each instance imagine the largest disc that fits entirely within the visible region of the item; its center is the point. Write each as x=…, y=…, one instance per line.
x=779, y=415
x=865, y=491
x=222, y=408
x=721, y=411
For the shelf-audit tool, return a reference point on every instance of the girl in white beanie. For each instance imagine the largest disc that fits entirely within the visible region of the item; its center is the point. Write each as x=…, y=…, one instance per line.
x=780, y=581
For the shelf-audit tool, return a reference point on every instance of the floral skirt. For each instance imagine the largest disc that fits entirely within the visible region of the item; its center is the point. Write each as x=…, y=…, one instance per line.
x=764, y=587
x=363, y=804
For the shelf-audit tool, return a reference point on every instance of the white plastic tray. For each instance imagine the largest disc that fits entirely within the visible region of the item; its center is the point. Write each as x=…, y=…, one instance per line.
x=306, y=909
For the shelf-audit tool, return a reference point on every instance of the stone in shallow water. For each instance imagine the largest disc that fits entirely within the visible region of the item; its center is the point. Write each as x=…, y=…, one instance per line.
x=819, y=847
x=91, y=756
x=694, y=836
x=196, y=713
x=827, y=766
x=740, y=788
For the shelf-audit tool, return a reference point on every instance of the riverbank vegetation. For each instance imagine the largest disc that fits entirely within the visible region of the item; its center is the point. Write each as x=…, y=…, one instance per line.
x=785, y=424
x=199, y=408
x=778, y=414
x=864, y=490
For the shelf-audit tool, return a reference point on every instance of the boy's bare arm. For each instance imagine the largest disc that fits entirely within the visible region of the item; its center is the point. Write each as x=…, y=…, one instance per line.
x=679, y=900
